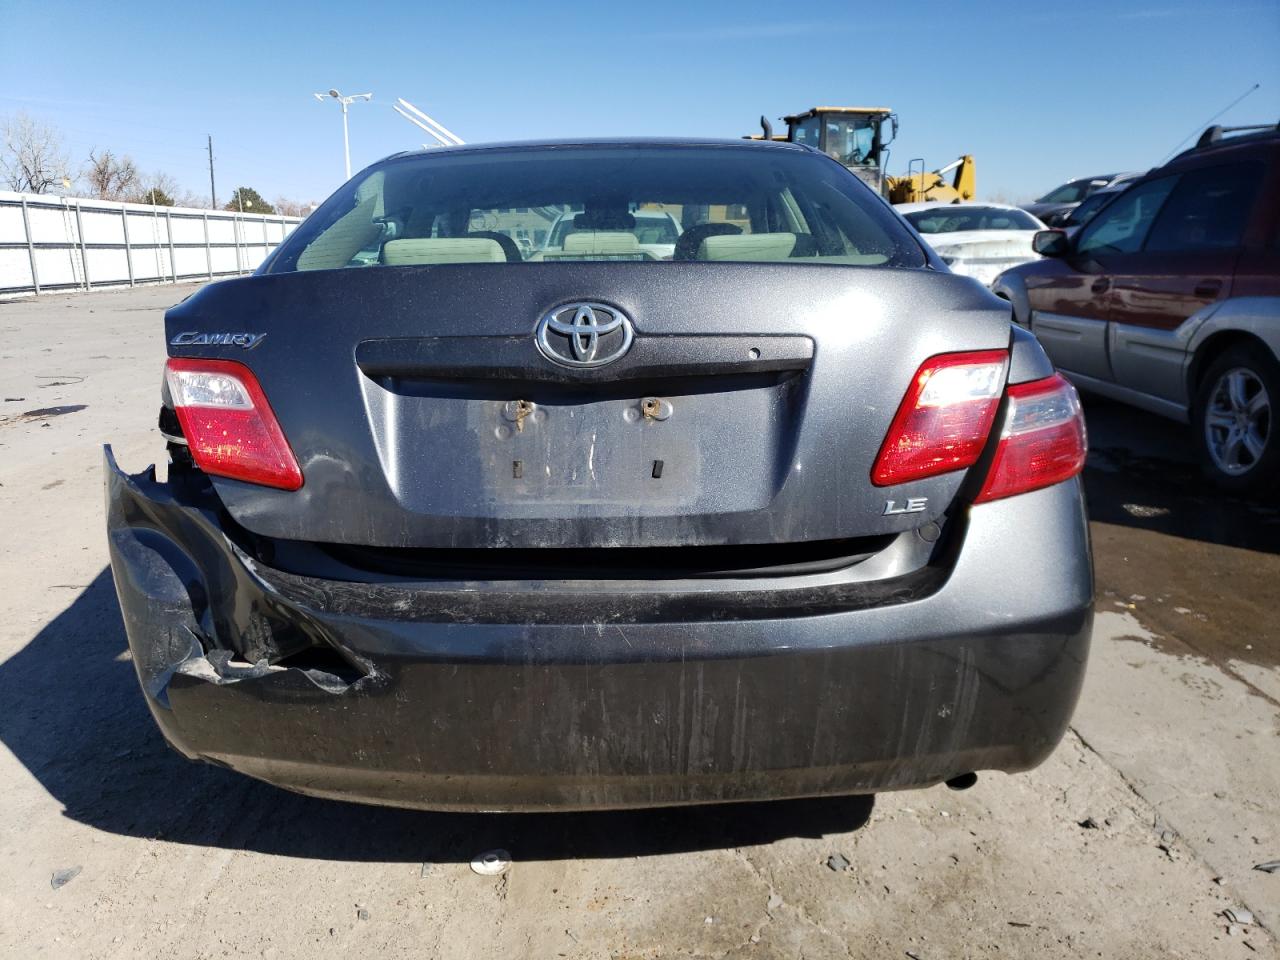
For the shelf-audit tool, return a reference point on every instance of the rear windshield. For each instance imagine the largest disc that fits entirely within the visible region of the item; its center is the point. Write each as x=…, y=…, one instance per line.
x=949, y=219
x=640, y=204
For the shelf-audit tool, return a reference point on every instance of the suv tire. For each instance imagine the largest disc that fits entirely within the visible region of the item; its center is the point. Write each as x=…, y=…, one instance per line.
x=1234, y=419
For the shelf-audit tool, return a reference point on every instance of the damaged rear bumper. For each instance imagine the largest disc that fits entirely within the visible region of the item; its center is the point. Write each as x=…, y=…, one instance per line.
x=541, y=695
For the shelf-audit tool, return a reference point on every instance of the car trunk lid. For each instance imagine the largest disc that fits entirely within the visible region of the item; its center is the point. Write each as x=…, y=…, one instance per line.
x=749, y=408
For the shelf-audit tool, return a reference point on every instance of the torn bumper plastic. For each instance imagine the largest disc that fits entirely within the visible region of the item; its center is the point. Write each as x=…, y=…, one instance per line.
x=497, y=696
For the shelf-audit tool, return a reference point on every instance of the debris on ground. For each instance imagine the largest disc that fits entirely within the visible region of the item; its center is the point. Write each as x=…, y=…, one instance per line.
x=1144, y=512
x=491, y=863
x=1238, y=915
x=838, y=862
x=1088, y=823
x=361, y=913
x=426, y=870
x=64, y=876
x=774, y=903
x=1271, y=866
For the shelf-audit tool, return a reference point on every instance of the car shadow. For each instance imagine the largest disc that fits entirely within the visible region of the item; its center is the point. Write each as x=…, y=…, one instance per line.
x=1142, y=473
x=74, y=716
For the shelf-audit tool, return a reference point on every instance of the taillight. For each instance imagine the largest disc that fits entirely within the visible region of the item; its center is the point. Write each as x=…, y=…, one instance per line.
x=228, y=423
x=943, y=421
x=1043, y=441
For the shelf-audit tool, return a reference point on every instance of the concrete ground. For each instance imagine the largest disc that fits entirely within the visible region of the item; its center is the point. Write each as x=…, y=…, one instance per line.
x=1131, y=841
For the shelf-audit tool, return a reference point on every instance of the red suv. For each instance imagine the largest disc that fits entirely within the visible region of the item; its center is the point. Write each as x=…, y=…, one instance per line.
x=1169, y=299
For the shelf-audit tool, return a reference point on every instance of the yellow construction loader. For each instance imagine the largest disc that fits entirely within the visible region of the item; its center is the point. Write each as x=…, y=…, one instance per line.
x=859, y=138
x=921, y=187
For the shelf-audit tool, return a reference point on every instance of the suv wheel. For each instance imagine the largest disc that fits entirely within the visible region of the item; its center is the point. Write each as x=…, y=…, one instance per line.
x=1234, y=419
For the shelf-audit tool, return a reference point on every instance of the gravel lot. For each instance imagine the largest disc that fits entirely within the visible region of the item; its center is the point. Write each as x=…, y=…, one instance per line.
x=1131, y=841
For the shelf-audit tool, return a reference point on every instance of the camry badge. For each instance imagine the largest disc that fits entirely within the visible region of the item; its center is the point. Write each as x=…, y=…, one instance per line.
x=194, y=339
x=584, y=335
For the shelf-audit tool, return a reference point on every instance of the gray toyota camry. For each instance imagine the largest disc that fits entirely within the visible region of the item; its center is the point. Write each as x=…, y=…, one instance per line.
x=725, y=489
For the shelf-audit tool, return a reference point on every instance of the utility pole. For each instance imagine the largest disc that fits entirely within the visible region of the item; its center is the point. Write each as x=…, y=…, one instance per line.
x=213, y=191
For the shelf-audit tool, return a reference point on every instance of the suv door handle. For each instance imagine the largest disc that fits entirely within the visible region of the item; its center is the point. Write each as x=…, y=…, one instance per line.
x=1100, y=285
x=1208, y=288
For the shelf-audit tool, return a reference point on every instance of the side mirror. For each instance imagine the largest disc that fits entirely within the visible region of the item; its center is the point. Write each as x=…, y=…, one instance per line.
x=1051, y=243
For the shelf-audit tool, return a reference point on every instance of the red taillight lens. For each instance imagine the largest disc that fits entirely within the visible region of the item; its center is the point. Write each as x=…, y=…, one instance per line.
x=943, y=421
x=228, y=423
x=1043, y=441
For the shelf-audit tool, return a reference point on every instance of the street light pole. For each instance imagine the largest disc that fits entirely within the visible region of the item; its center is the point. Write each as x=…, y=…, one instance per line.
x=344, y=102
x=346, y=140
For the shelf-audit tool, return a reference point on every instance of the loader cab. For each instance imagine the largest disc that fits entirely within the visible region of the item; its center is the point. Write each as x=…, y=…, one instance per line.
x=857, y=137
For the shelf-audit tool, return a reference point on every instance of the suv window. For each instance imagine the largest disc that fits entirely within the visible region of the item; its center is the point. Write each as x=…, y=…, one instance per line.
x=1208, y=210
x=1089, y=208
x=1122, y=225
x=1072, y=192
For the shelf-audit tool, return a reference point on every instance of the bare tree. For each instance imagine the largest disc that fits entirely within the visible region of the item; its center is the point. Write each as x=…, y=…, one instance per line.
x=110, y=177
x=31, y=156
x=156, y=188
x=293, y=208
x=189, y=198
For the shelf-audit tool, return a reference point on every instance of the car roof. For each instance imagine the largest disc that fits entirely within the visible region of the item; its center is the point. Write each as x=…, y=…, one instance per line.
x=1102, y=176
x=1259, y=141
x=968, y=205
x=1241, y=146
x=604, y=143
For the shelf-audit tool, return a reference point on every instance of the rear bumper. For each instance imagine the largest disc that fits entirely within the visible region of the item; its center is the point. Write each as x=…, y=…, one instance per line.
x=565, y=696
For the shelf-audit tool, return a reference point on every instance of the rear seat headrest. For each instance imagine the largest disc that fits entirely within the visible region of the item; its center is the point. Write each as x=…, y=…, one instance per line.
x=604, y=242
x=501, y=239
x=748, y=246
x=691, y=240
x=434, y=250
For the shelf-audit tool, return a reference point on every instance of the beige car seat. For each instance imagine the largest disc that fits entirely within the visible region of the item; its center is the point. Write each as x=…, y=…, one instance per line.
x=437, y=250
x=748, y=246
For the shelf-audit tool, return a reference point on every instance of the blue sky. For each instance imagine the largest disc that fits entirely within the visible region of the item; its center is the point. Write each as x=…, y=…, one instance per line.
x=1038, y=93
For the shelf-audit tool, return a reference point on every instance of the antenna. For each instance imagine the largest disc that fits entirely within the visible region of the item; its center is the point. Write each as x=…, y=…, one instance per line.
x=1208, y=122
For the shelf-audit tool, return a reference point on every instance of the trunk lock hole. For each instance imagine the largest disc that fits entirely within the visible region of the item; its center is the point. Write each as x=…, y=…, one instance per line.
x=517, y=410
x=655, y=408
x=753, y=353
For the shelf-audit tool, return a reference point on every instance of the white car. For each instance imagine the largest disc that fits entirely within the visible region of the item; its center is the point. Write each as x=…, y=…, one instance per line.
x=979, y=240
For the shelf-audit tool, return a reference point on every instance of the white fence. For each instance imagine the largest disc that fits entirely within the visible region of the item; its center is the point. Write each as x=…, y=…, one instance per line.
x=61, y=244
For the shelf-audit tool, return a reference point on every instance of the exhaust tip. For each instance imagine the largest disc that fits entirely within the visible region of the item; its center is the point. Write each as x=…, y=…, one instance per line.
x=963, y=782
